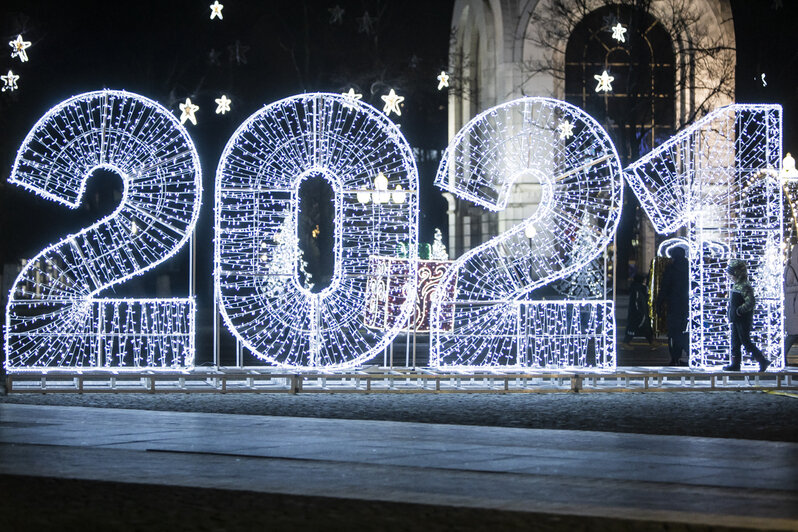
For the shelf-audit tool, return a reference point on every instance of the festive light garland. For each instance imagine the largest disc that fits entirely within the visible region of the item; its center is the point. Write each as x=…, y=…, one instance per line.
x=363, y=156
x=718, y=180
x=497, y=324
x=54, y=318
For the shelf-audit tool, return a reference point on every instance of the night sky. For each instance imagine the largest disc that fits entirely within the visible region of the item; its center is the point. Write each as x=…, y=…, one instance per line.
x=171, y=50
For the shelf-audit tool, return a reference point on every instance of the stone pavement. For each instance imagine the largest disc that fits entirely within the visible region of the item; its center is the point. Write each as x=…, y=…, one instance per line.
x=650, y=478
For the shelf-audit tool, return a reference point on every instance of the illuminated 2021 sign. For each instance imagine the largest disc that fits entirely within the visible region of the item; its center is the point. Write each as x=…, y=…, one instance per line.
x=57, y=319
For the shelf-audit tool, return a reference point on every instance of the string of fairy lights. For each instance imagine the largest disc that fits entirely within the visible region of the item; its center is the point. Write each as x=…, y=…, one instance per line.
x=718, y=179
x=55, y=316
x=496, y=323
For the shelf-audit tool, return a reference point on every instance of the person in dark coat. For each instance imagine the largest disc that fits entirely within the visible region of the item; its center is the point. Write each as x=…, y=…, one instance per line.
x=638, y=322
x=674, y=294
x=741, y=316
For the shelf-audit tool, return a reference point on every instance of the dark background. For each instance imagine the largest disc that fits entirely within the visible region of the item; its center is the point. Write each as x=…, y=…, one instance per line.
x=163, y=50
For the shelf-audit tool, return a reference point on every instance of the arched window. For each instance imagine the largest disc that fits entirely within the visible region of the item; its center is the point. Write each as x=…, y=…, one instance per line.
x=639, y=111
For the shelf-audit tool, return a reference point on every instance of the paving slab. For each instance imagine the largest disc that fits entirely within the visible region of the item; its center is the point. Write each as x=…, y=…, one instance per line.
x=676, y=479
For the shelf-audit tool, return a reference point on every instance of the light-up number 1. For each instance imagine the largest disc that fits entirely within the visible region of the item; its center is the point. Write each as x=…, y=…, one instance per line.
x=54, y=317
x=497, y=323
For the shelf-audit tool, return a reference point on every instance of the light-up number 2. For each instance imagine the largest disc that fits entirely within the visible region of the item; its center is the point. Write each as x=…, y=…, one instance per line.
x=496, y=323
x=54, y=317
x=369, y=166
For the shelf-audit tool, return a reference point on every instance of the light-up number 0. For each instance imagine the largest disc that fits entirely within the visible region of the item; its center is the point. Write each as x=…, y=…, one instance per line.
x=54, y=317
x=496, y=323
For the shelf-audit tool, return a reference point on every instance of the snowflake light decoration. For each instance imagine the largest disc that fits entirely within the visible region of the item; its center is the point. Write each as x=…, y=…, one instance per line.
x=188, y=112
x=565, y=129
x=54, y=317
x=604, y=82
x=18, y=47
x=618, y=32
x=257, y=189
x=392, y=101
x=9, y=82
x=718, y=180
x=498, y=323
x=222, y=105
x=216, y=10
x=443, y=80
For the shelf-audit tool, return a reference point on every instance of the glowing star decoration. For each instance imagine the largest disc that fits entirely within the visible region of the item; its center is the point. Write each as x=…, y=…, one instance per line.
x=188, y=112
x=56, y=316
x=18, y=47
x=443, y=80
x=392, y=101
x=351, y=98
x=365, y=24
x=604, y=82
x=216, y=10
x=9, y=82
x=565, y=129
x=336, y=14
x=258, y=187
x=717, y=181
x=222, y=105
x=485, y=294
x=618, y=32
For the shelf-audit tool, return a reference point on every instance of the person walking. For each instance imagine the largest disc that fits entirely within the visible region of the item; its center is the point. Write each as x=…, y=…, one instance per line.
x=674, y=294
x=741, y=316
x=638, y=322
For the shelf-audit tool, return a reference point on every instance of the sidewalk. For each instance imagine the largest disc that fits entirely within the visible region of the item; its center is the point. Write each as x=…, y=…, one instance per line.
x=657, y=479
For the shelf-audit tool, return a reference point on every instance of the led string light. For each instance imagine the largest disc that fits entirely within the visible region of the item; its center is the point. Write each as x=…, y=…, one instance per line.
x=718, y=179
x=370, y=167
x=497, y=324
x=54, y=317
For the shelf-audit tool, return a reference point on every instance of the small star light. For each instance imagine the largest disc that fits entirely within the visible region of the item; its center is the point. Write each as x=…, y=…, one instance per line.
x=392, y=101
x=222, y=105
x=351, y=98
x=618, y=32
x=604, y=82
x=216, y=10
x=18, y=46
x=365, y=24
x=566, y=129
x=336, y=14
x=443, y=80
x=10, y=82
x=188, y=109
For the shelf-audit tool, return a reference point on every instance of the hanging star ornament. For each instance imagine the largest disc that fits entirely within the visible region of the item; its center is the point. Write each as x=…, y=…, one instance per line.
x=392, y=101
x=9, y=82
x=222, y=105
x=604, y=82
x=189, y=110
x=443, y=80
x=618, y=32
x=336, y=14
x=365, y=24
x=565, y=129
x=351, y=98
x=18, y=47
x=216, y=10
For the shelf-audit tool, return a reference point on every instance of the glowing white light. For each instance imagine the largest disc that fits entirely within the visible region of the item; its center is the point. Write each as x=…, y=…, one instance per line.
x=188, y=112
x=443, y=80
x=604, y=82
x=222, y=105
x=718, y=180
x=351, y=98
x=9, y=82
x=54, y=317
x=216, y=10
x=565, y=129
x=496, y=323
x=257, y=190
x=381, y=187
x=336, y=14
x=618, y=32
x=788, y=170
x=18, y=47
x=398, y=195
x=439, y=252
x=392, y=101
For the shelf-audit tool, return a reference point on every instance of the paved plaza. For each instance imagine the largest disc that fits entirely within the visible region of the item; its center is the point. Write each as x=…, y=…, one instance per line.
x=604, y=478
